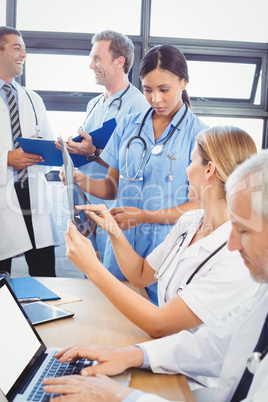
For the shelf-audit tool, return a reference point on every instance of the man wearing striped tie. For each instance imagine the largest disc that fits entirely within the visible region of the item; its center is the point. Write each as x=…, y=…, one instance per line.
x=26, y=220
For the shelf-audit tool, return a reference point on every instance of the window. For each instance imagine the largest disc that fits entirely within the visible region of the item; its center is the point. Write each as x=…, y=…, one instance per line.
x=254, y=127
x=79, y=16
x=225, y=43
x=229, y=20
x=3, y=12
x=65, y=124
x=60, y=72
x=222, y=80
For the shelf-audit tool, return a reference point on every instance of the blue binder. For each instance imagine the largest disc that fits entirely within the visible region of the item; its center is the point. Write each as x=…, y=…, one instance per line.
x=101, y=136
x=47, y=149
x=53, y=156
x=31, y=288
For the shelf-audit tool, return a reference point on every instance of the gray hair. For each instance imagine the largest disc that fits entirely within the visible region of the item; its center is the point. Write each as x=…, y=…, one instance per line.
x=256, y=170
x=120, y=45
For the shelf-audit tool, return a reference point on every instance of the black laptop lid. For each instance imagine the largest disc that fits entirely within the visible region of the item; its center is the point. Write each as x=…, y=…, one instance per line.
x=20, y=345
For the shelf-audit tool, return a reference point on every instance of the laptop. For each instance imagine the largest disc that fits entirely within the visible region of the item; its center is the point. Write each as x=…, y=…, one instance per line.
x=25, y=360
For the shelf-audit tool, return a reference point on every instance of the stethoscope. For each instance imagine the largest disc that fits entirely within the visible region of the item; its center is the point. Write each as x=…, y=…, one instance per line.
x=119, y=99
x=180, y=241
x=254, y=360
x=157, y=149
x=37, y=129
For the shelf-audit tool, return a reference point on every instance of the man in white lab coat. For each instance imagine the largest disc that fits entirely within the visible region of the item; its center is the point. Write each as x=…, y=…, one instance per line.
x=26, y=220
x=225, y=351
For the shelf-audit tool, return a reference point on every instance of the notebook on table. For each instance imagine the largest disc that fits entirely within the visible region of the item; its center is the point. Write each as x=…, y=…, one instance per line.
x=25, y=360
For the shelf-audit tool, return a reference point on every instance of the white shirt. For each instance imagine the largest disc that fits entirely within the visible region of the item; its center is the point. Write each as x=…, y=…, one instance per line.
x=221, y=351
x=16, y=239
x=218, y=287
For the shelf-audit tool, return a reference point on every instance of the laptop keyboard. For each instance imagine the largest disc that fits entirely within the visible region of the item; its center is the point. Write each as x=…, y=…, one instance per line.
x=56, y=369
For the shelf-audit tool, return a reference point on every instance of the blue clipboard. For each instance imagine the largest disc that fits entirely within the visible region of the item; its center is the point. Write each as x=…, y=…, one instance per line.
x=101, y=136
x=47, y=149
x=31, y=288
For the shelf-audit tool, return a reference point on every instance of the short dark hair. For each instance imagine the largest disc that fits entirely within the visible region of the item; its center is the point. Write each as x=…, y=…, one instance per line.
x=120, y=45
x=4, y=32
x=166, y=57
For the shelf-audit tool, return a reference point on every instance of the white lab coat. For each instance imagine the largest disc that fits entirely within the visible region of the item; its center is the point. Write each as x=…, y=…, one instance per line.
x=15, y=238
x=221, y=351
x=218, y=287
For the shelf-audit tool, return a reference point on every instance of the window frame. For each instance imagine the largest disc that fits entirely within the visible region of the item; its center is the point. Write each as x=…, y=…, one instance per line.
x=77, y=43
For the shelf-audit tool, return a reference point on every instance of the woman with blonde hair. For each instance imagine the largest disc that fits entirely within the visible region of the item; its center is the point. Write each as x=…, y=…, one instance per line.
x=199, y=279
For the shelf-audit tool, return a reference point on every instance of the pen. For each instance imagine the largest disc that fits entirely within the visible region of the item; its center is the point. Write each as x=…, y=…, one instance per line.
x=29, y=300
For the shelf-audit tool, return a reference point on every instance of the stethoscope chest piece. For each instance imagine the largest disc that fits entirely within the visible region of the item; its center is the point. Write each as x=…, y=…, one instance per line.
x=157, y=150
x=253, y=362
x=180, y=289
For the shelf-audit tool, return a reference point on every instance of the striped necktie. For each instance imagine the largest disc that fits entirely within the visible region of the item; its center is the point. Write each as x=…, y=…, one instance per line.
x=15, y=126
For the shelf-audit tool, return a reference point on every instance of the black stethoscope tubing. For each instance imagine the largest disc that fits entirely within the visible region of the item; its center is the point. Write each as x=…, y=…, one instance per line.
x=201, y=265
x=189, y=280
x=35, y=114
x=114, y=100
x=156, y=147
x=170, y=135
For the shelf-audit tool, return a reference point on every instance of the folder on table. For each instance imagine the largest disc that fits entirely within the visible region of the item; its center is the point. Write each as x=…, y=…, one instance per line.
x=31, y=288
x=101, y=136
x=47, y=149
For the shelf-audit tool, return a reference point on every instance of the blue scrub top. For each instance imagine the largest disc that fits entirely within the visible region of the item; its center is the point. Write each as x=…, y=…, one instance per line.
x=155, y=191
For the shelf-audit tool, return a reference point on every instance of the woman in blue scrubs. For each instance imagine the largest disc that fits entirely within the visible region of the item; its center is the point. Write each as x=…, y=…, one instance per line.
x=148, y=154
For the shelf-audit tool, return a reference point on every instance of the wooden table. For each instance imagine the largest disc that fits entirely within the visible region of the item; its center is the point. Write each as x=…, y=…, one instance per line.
x=98, y=322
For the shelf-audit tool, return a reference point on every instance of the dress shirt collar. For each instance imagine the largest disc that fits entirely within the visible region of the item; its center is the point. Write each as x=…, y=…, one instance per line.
x=12, y=82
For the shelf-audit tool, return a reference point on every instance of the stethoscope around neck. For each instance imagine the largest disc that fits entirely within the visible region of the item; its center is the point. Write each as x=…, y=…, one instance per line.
x=157, y=149
x=180, y=240
x=119, y=99
x=37, y=129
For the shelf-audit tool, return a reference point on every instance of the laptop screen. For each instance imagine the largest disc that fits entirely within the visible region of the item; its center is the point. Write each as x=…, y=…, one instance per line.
x=20, y=345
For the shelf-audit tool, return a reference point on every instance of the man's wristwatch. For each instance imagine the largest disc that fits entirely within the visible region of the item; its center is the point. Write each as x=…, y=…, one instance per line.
x=94, y=156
